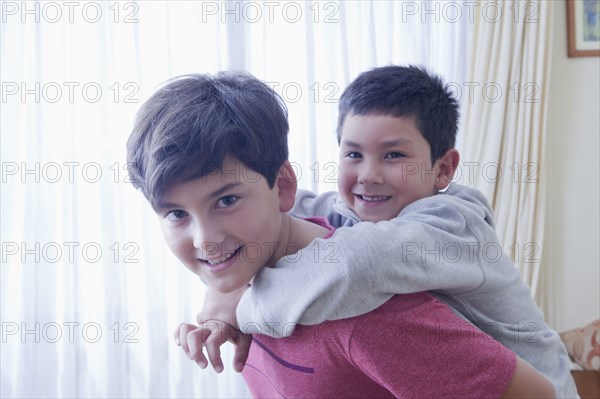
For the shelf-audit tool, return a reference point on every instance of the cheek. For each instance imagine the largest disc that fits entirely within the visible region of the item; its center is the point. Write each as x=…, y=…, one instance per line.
x=175, y=247
x=176, y=242
x=261, y=221
x=346, y=178
x=397, y=175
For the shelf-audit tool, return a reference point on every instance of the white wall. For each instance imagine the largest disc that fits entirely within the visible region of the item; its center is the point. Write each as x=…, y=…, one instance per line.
x=571, y=262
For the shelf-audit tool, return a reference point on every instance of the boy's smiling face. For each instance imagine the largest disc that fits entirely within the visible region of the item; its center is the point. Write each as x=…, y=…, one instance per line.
x=223, y=227
x=385, y=164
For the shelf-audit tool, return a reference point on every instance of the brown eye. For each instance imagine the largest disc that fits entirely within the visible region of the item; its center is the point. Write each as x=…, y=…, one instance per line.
x=227, y=201
x=393, y=155
x=176, y=214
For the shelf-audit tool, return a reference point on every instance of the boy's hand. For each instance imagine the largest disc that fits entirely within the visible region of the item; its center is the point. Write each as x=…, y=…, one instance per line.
x=212, y=334
x=217, y=323
x=181, y=334
x=219, y=306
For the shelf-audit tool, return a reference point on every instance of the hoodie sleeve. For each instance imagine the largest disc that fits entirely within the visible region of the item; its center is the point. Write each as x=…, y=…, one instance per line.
x=309, y=204
x=444, y=243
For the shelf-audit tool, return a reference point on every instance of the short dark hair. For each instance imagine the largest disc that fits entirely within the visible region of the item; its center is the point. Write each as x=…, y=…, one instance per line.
x=408, y=91
x=185, y=130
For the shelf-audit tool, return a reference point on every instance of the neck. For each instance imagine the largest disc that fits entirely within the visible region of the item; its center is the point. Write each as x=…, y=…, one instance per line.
x=296, y=235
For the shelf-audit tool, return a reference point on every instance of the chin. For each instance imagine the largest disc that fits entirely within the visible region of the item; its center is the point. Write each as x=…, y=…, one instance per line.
x=227, y=288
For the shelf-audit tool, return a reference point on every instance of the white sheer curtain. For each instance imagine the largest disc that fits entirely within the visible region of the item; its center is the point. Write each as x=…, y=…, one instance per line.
x=90, y=294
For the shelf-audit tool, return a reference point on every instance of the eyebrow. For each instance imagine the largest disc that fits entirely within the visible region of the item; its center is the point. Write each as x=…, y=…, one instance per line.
x=215, y=194
x=389, y=143
x=220, y=191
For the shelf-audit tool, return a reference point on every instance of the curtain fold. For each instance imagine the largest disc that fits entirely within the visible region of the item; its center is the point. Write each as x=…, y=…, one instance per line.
x=505, y=122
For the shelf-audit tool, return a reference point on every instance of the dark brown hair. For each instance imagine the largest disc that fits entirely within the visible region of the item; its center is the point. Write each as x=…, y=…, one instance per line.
x=408, y=91
x=185, y=130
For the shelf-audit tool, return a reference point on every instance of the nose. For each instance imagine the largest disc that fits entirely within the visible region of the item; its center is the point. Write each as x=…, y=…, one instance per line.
x=207, y=237
x=370, y=173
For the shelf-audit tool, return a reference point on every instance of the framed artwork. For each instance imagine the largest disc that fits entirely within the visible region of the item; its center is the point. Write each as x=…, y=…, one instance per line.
x=583, y=28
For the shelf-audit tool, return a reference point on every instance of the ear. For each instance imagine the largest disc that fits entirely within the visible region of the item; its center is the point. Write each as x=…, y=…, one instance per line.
x=447, y=165
x=287, y=183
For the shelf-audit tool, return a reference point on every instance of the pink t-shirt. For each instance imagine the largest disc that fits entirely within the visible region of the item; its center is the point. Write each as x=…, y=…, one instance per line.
x=413, y=346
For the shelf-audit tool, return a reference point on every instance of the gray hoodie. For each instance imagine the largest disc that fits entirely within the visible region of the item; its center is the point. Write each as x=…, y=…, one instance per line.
x=445, y=243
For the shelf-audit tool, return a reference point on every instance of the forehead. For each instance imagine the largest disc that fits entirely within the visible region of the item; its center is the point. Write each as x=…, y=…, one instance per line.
x=379, y=128
x=231, y=175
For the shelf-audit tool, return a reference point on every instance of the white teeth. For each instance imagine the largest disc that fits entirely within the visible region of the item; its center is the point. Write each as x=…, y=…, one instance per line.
x=373, y=199
x=223, y=259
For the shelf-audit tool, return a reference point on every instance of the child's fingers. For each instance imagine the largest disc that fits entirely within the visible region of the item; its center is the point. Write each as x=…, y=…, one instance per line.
x=213, y=349
x=184, y=330
x=214, y=337
x=195, y=340
x=242, y=348
x=176, y=334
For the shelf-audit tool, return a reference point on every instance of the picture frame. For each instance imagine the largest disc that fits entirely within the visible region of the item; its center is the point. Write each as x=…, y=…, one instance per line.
x=583, y=28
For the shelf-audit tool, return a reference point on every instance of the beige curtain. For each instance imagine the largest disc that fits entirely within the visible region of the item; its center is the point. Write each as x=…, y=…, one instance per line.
x=504, y=104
